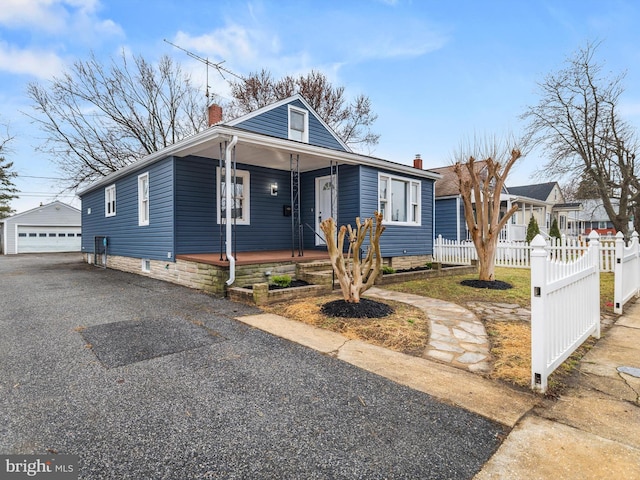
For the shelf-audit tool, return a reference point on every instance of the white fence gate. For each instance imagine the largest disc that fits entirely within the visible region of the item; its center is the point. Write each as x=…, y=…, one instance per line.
x=565, y=306
x=627, y=271
x=518, y=254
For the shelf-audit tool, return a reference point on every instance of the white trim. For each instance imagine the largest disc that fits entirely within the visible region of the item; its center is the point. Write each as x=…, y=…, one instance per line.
x=245, y=175
x=146, y=265
x=408, y=202
x=320, y=234
x=285, y=101
x=305, y=121
x=144, y=210
x=110, y=200
x=214, y=134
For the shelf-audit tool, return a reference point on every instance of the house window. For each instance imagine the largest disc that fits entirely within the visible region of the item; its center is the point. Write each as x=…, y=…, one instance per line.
x=399, y=200
x=298, y=124
x=143, y=199
x=110, y=201
x=21, y=235
x=240, y=191
x=602, y=225
x=146, y=265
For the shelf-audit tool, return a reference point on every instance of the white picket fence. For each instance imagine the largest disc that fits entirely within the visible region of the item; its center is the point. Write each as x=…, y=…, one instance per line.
x=565, y=306
x=627, y=271
x=518, y=254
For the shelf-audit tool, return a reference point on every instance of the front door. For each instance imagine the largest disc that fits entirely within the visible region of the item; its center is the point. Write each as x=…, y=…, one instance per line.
x=325, y=207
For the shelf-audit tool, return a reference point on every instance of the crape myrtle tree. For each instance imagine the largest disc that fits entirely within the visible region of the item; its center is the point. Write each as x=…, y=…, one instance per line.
x=8, y=190
x=354, y=275
x=351, y=119
x=99, y=118
x=481, y=184
x=577, y=120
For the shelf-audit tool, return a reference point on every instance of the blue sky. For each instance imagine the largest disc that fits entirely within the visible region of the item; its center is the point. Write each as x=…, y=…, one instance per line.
x=437, y=72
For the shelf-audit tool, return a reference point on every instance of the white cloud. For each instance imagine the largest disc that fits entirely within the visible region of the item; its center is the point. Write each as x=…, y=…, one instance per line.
x=41, y=64
x=68, y=17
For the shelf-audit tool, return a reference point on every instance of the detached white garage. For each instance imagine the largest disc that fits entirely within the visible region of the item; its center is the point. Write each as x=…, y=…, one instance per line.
x=55, y=227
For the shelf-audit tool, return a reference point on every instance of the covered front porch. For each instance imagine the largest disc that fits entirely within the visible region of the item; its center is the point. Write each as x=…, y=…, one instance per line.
x=257, y=257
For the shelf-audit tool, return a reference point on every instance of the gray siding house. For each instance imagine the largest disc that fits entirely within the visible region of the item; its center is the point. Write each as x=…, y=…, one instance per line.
x=54, y=227
x=288, y=170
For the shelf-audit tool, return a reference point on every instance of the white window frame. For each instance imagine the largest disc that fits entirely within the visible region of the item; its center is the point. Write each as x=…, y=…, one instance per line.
x=143, y=203
x=110, y=201
x=146, y=265
x=414, y=209
x=246, y=197
x=305, y=121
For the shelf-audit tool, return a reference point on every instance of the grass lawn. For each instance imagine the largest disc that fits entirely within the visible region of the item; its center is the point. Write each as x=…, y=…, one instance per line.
x=407, y=330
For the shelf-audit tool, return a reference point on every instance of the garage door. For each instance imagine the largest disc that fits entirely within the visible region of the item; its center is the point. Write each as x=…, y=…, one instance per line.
x=48, y=239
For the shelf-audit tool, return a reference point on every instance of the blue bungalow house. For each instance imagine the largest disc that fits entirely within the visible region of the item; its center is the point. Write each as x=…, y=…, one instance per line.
x=245, y=198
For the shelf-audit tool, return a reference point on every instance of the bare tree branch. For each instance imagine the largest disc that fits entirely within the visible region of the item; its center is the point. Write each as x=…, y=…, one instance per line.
x=577, y=123
x=99, y=118
x=351, y=121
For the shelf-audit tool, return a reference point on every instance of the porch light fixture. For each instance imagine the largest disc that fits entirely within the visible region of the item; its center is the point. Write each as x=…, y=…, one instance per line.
x=274, y=189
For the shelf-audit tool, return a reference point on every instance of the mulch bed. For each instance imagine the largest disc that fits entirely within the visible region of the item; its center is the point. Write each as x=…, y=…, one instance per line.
x=414, y=269
x=490, y=284
x=365, y=309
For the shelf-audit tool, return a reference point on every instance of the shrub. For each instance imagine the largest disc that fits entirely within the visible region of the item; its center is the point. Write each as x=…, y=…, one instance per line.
x=386, y=269
x=532, y=229
x=283, y=281
x=555, y=231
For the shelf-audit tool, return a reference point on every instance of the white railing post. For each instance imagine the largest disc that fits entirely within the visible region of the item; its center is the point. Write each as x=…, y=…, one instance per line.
x=594, y=243
x=636, y=264
x=538, y=328
x=618, y=269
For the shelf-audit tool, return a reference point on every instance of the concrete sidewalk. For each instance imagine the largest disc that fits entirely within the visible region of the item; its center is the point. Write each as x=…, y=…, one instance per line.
x=593, y=431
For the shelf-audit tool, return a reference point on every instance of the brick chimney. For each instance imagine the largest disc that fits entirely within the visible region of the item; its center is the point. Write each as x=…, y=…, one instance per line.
x=417, y=162
x=215, y=114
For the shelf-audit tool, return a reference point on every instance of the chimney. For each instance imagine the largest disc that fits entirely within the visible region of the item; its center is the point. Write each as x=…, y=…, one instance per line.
x=215, y=114
x=417, y=162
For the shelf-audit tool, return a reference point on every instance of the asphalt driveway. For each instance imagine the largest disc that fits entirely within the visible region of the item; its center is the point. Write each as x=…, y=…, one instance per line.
x=148, y=380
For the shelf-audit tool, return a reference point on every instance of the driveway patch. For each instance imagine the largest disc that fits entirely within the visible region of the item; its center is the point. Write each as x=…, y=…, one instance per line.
x=122, y=343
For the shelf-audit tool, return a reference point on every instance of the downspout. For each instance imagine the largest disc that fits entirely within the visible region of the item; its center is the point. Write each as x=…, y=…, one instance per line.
x=228, y=239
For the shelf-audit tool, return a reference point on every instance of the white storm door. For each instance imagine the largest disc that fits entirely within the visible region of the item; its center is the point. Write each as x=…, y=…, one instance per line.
x=325, y=191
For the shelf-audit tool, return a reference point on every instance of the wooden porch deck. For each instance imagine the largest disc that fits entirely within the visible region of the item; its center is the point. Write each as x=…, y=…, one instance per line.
x=253, y=258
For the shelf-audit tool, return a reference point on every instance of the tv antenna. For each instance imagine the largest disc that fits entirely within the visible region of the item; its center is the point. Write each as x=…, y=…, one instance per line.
x=218, y=66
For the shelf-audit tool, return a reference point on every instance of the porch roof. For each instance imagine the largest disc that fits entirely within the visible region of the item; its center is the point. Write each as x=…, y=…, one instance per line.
x=260, y=150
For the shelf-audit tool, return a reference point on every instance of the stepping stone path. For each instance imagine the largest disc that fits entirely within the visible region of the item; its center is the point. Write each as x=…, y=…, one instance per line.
x=457, y=336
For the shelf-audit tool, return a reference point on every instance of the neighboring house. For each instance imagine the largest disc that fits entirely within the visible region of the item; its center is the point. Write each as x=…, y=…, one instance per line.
x=289, y=172
x=593, y=216
x=542, y=201
x=54, y=227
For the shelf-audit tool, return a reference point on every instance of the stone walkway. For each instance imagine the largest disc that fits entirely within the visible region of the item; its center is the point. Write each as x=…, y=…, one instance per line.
x=457, y=336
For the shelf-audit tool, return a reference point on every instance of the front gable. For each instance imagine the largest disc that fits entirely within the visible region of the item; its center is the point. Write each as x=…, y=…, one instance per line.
x=291, y=119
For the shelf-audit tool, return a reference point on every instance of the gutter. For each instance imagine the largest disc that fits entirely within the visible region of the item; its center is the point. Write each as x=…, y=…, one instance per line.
x=228, y=212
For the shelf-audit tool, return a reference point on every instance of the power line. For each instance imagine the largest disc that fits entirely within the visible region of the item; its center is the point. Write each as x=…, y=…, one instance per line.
x=43, y=178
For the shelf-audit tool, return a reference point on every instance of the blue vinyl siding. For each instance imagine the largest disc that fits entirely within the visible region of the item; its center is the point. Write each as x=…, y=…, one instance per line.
x=348, y=199
x=447, y=216
x=398, y=240
x=196, y=228
x=196, y=207
x=126, y=237
x=275, y=122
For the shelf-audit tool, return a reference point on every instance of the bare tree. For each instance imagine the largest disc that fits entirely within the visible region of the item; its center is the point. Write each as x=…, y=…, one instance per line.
x=351, y=121
x=99, y=118
x=578, y=123
x=355, y=276
x=8, y=190
x=481, y=184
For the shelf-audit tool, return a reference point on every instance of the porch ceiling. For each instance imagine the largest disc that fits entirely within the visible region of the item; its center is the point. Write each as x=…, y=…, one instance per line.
x=263, y=156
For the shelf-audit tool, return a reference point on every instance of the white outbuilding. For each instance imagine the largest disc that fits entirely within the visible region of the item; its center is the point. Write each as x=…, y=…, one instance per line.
x=55, y=227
